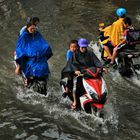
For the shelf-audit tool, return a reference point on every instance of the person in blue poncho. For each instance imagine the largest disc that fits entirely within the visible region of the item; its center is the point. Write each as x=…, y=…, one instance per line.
x=34, y=20
x=32, y=54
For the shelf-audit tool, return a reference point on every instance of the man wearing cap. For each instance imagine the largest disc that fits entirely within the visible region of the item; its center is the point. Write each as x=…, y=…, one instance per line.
x=85, y=59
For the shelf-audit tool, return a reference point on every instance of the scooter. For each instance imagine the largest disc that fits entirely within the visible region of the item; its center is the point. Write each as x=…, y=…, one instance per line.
x=128, y=60
x=91, y=91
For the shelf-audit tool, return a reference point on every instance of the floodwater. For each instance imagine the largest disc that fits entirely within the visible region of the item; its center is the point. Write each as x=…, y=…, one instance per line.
x=26, y=115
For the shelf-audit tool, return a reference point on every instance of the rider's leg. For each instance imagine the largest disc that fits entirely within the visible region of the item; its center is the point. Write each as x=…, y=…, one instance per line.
x=17, y=70
x=108, y=51
x=74, y=93
x=67, y=90
x=74, y=101
x=116, y=50
x=114, y=55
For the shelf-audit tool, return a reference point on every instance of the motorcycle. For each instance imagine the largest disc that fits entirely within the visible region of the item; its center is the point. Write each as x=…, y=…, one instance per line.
x=128, y=60
x=91, y=91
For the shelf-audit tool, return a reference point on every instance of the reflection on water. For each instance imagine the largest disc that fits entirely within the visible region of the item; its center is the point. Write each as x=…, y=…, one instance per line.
x=30, y=116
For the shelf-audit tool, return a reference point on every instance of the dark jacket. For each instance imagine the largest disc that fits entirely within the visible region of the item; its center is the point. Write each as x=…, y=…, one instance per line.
x=86, y=60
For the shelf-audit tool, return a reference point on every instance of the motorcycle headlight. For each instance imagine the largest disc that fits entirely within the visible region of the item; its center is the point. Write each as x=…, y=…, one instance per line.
x=94, y=96
x=92, y=93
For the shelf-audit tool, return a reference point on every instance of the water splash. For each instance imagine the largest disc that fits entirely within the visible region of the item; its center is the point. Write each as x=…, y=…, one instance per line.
x=138, y=17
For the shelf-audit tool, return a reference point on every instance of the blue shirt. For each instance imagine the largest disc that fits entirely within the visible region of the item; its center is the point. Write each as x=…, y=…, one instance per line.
x=69, y=54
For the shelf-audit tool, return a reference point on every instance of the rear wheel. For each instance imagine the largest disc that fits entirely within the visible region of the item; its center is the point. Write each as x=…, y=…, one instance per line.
x=124, y=67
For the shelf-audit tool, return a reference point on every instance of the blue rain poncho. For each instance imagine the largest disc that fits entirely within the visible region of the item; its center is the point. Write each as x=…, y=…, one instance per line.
x=32, y=53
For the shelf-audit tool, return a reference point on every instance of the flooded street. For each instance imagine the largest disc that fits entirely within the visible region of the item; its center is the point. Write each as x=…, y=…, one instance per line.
x=25, y=115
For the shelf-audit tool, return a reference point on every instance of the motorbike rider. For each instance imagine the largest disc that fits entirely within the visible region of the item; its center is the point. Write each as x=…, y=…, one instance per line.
x=85, y=59
x=71, y=52
x=115, y=31
x=70, y=57
x=105, y=41
x=123, y=44
x=32, y=54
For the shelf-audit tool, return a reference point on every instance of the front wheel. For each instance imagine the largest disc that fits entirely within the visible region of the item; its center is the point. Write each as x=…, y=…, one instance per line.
x=97, y=112
x=94, y=111
x=124, y=68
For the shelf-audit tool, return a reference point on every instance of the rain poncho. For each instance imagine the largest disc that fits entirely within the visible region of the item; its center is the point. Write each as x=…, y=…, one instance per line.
x=86, y=60
x=115, y=31
x=32, y=53
x=82, y=61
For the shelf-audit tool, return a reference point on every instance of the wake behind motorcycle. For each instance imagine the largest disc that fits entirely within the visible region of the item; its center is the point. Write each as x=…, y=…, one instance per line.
x=91, y=91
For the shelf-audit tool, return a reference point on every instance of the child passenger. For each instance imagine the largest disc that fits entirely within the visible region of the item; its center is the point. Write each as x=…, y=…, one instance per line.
x=70, y=57
x=72, y=50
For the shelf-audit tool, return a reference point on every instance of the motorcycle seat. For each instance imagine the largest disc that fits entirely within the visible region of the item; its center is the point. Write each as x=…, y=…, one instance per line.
x=126, y=52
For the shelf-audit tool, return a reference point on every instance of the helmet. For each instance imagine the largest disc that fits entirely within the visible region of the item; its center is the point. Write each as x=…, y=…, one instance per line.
x=82, y=42
x=120, y=12
x=101, y=25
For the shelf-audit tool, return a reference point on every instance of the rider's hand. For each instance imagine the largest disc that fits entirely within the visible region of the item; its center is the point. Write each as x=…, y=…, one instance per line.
x=77, y=72
x=105, y=70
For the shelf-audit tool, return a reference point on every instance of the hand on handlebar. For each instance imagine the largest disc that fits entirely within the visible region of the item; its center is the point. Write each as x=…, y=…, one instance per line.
x=78, y=73
x=105, y=70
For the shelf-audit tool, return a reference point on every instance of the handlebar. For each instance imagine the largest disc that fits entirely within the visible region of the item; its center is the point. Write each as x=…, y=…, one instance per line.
x=89, y=72
x=80, y=75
